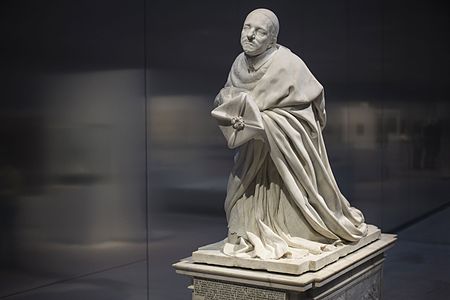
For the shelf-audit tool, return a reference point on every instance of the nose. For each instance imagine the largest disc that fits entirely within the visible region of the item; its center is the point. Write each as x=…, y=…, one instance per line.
x=251, y=34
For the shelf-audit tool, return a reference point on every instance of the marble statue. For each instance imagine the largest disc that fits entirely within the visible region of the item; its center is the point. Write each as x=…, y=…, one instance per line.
x=282, y=198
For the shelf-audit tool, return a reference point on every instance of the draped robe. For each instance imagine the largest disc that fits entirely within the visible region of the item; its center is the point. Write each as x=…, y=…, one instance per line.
x=282, y=198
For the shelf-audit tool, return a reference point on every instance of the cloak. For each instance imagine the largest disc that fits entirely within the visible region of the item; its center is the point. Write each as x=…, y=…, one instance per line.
x=282, y=197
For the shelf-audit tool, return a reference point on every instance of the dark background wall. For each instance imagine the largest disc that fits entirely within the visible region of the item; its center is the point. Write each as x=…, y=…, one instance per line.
x=72, y=150
x=76, y=79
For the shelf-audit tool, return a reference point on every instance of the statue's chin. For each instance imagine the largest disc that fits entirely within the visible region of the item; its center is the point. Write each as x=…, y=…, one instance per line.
x=251, y=52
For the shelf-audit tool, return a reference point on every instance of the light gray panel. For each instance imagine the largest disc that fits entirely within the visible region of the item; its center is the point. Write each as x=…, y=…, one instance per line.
x=72, y=132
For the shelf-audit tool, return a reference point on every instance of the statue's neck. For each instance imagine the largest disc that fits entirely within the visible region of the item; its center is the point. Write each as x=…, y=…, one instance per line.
x=256, y=62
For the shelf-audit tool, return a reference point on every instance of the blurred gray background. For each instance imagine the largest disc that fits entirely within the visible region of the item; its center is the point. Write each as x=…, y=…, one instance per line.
x=111, y=168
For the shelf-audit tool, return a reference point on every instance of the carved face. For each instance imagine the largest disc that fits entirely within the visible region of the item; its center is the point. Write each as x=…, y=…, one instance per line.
x=256, y=34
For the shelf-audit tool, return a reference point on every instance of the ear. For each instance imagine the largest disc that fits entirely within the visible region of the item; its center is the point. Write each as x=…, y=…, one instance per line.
x=274, y=41
x=273, y=37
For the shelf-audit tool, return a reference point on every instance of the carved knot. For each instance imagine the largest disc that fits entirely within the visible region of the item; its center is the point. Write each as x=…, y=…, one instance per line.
x=238, y=123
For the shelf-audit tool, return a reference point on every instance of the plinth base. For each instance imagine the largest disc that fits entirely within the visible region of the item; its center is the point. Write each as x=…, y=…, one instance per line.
x=355, y=276
x=213, y=255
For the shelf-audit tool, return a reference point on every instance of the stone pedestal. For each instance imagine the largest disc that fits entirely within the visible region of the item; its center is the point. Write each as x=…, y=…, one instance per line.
x=356, y=276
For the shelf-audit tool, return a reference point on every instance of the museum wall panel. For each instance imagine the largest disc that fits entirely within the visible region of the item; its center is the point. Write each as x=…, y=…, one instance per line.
x=72, y=154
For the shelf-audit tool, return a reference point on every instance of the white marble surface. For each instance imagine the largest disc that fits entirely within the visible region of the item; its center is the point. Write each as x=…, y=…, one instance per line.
x=282, y=197
x=212, y=254
x=301, y=282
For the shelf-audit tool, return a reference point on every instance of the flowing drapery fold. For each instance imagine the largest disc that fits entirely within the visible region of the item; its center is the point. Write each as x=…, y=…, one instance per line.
x=282, y=197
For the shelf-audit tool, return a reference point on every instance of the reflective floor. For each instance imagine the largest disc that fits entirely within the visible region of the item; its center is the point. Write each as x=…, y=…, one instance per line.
x=416, y=268
x=127, y=282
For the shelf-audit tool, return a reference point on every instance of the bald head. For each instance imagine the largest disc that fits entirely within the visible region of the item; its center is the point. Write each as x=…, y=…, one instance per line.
x=274, y=24
x=260, y=31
